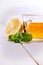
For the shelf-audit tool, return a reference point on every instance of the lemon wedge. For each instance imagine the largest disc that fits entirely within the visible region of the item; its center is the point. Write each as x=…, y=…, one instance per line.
x=13, y=26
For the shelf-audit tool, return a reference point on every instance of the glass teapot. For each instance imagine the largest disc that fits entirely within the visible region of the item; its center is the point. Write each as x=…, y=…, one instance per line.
x=33, y=24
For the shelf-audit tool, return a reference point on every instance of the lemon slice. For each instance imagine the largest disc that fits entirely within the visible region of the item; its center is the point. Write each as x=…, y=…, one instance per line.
x=13, y=26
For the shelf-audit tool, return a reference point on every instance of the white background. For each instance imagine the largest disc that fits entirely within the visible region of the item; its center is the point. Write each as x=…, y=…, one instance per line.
x=20, y=7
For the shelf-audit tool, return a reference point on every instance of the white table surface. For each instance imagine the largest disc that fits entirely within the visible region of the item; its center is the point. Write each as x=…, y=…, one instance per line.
x=14, y=54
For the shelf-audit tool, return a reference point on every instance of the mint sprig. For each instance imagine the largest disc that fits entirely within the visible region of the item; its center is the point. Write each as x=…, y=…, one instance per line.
x=25, y=37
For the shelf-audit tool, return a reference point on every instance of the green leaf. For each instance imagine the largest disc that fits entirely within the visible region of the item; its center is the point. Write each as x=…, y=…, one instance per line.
x=15, y=37
x=26, y=37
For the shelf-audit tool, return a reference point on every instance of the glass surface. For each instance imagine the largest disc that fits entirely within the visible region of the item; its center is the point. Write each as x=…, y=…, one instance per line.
x=34, y=25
